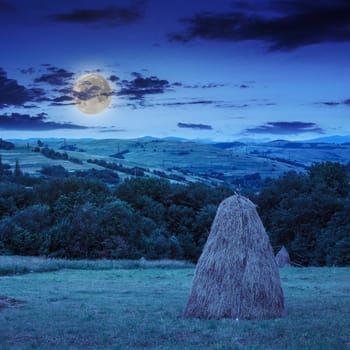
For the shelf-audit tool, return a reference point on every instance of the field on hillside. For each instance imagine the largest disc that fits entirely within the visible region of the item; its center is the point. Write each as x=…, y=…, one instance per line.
x=140, y=308
x=187, y=161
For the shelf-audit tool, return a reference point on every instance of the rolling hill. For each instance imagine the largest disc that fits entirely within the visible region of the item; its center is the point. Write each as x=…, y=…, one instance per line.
x=178, y=160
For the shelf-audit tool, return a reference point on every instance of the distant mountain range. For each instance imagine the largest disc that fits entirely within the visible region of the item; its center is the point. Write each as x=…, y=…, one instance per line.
x=336, y=139
x=332, y=139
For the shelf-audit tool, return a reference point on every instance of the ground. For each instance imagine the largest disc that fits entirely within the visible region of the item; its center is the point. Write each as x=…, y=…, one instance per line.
x=141, y=308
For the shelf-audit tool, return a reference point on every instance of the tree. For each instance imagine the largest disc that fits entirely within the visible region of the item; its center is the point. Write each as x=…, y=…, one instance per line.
x=297, y=208
x=331, y=176
x=85, y=228
x=18, y=171
x=23, y=231
x=333, y=242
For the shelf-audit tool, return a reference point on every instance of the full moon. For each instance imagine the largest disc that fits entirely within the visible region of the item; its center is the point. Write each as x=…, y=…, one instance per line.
x=92, y=93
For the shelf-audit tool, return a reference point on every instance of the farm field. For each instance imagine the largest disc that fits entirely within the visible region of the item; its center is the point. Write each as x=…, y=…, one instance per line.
x=125, y=305
x=187, y=160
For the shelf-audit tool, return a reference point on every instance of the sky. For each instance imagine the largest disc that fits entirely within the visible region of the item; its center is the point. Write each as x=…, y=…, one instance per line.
x=220, y=70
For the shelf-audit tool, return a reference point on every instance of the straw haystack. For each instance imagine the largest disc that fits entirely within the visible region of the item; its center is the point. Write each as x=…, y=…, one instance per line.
x=236, y=275
x=282, y=258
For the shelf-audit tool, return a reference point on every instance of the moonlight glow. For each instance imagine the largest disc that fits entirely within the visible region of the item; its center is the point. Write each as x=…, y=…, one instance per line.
x=92, y=93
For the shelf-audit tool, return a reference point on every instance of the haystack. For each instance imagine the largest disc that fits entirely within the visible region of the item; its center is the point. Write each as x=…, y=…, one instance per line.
x=282, y=258
x=236, y=275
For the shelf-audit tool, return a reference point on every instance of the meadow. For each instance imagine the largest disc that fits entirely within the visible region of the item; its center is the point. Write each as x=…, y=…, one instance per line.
x=64, y=304
x=191, y=160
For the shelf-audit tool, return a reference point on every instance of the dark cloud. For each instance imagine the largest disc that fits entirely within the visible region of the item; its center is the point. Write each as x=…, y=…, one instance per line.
x=285, y=128
x=335, y=103
x=64, y=100
x=14, y=94
x=215, y=103
x=203, y=86
x=90, y=91
x=330, y=103
x=65, y=90
x=30, y=106
x=250, y=103
x=17, y=121
x=184, y=103
x=29, y=70
x=58, y=104
x=195, y=126
x=140, y=86
x=6, y=6
x=111, y=16
x=113, y=78
x=297, y=24
x=56, y=76
x=111, y=129
x=232, y=105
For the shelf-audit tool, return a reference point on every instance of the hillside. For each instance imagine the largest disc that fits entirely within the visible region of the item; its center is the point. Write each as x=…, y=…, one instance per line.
x=181, y=161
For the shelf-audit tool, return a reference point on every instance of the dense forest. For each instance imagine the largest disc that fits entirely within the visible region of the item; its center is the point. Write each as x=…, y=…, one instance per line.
x=92, y=214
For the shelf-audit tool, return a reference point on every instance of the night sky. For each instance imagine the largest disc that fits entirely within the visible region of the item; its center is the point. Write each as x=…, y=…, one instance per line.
x=219, y=70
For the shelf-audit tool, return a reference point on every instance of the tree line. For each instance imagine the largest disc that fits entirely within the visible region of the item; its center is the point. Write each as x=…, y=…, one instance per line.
x=93, y=215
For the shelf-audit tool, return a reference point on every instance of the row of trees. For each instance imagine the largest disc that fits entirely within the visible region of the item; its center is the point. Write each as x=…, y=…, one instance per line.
x=309, y=214
x=81, y=217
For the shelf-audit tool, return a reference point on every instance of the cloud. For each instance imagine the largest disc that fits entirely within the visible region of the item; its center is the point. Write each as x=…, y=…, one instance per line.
x=215, y=103
x=297, y=24
x=335, y=103
x=201, y=86
x=111, y=129
x=29, y=70
x=232, y=105
x=56, y=76
x=195, y=126
x=330, y=103
x=91, y=91
x=184, y=103
x=113, y=78
x=17, y=121
x=111, y=16
x=285, y=128
x=6, y=6
x=64, y=100
x=140, y=86
x=14, y=94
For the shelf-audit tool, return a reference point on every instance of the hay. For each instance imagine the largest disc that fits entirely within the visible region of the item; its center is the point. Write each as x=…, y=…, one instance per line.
x=282, y=258
x=236, y=275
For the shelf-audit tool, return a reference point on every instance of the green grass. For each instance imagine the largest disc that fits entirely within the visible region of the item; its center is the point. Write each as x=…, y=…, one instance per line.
x=161, y=154
x=198, y=158
x=141, y=309
x=13, y=265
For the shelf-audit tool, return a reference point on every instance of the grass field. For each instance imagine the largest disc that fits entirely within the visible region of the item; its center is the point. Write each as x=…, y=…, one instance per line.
x=196, y=158
x=138, y=305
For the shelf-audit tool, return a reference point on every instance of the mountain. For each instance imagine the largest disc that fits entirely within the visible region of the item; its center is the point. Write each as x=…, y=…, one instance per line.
x=332, y=139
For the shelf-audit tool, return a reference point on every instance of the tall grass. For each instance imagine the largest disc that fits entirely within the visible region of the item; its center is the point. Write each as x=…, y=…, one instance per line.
x=12, y=265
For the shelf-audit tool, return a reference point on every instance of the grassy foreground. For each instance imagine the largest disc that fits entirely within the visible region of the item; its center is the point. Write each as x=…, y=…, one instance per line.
x=140, y=308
